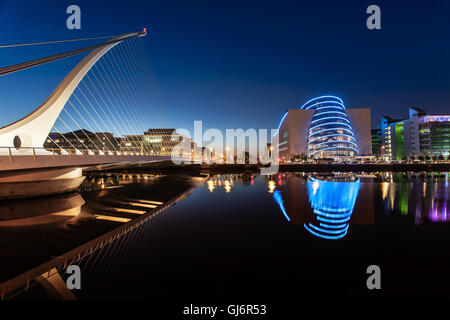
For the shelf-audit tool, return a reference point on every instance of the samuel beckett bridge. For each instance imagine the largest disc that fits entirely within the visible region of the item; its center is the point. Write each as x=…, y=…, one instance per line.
x=95, y=116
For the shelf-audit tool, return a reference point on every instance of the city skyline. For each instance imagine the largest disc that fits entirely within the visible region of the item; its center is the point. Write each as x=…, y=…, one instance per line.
x=228, y=64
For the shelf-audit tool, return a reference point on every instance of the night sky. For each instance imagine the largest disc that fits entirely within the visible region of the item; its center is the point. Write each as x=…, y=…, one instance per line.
x=242, y=64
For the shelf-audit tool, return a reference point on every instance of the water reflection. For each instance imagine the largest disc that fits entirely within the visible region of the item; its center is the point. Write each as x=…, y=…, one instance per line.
x=332, y=200
x=324, y=203
x=228, y=181
x=40, y=211
x=417, y=197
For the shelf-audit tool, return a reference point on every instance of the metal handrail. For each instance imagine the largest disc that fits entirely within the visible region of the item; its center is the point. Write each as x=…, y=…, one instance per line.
x=13, y=151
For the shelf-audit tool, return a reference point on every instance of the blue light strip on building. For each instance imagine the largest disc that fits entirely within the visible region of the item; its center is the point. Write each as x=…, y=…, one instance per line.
x=322, y=97
x=327, y=119
x=320, y=131
x=331, y=135
x=328, y=123
x=330, y=141
x=335, y=148
x=281, y=122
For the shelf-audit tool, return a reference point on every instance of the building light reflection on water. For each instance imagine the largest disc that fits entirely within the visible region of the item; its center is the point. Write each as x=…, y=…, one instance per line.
x=278, y=199
x=271, y=185
x=211, y=185
x=227, y=186
x=226, y=182
x=333, y=203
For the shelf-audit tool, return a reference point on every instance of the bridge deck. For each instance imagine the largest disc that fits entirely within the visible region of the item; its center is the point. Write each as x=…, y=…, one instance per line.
x=9, y=163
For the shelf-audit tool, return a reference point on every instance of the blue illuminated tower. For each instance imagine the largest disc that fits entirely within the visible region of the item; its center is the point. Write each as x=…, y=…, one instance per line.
x=330, y=132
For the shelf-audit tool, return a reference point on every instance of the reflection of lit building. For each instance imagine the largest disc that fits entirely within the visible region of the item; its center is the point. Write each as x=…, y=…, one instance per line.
x=226, y=181
x=326, y=208
x=271, y=186
x=333, y=203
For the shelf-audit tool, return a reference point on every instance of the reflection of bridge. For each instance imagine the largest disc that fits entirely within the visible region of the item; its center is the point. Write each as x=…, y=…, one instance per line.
x=110, y=97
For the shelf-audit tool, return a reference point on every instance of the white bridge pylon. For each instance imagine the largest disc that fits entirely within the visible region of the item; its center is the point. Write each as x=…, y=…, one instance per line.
x=32, y=131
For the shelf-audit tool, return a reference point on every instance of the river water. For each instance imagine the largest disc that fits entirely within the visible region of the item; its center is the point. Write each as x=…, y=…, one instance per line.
x=291, y=235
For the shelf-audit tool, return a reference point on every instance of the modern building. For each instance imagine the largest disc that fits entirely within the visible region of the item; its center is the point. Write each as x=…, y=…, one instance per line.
x=83, y=141
x=392, y=137
x=376, y=142
x=159, y=141
x=324, y=128
x=419, y=135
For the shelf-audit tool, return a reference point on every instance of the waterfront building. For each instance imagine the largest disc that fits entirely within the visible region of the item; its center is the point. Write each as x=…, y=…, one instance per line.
x=419, y=135
x=392, y=136
x=324, y=128
x=82, y=140
x=159, y=141
x=376, y=142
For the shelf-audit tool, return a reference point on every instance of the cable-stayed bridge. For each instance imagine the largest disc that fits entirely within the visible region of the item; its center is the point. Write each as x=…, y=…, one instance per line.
x=97, y=115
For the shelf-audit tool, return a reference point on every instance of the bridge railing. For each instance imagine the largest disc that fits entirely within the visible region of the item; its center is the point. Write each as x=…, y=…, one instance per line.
x=34, y=151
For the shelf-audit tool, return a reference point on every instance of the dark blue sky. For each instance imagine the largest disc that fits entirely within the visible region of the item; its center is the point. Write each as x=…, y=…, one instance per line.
x=241, y=64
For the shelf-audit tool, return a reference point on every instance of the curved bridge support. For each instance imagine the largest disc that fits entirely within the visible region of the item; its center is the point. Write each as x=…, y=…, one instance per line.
x=32, y=130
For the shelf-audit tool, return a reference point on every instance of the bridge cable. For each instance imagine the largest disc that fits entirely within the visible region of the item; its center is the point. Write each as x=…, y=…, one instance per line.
x=104, y=103
x=36, y=62
x=134, y=76
x=129, y=93
x=145, y=79
x=98, y=126
x=111, y=129
x=50, y=42
x=83, y=130
x=121, y=97
x=127, y=127
x=165, y=145
x=68, y=128
x=142, y=81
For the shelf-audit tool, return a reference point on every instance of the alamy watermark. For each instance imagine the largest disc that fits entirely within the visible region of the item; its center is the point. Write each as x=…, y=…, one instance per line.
x=74, y=280
x=374, y=280
x=236, y=146
x=374, y=20
x=74, y=20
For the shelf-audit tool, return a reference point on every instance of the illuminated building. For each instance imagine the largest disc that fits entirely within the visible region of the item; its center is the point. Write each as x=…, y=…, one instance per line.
x=419, y=135
x=376, y=142
x=392, y=133
x=324, y=128
x=160, y=141
x=83, y=140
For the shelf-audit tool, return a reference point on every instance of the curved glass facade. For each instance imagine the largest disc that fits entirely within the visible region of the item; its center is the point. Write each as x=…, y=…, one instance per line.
x=330, y=132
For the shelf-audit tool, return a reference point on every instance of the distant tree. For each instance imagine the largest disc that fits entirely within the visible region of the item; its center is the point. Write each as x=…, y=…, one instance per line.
x=434, y=157
x=427, y=157
x=421, y=158
x=412, y=158
x=441, y=157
